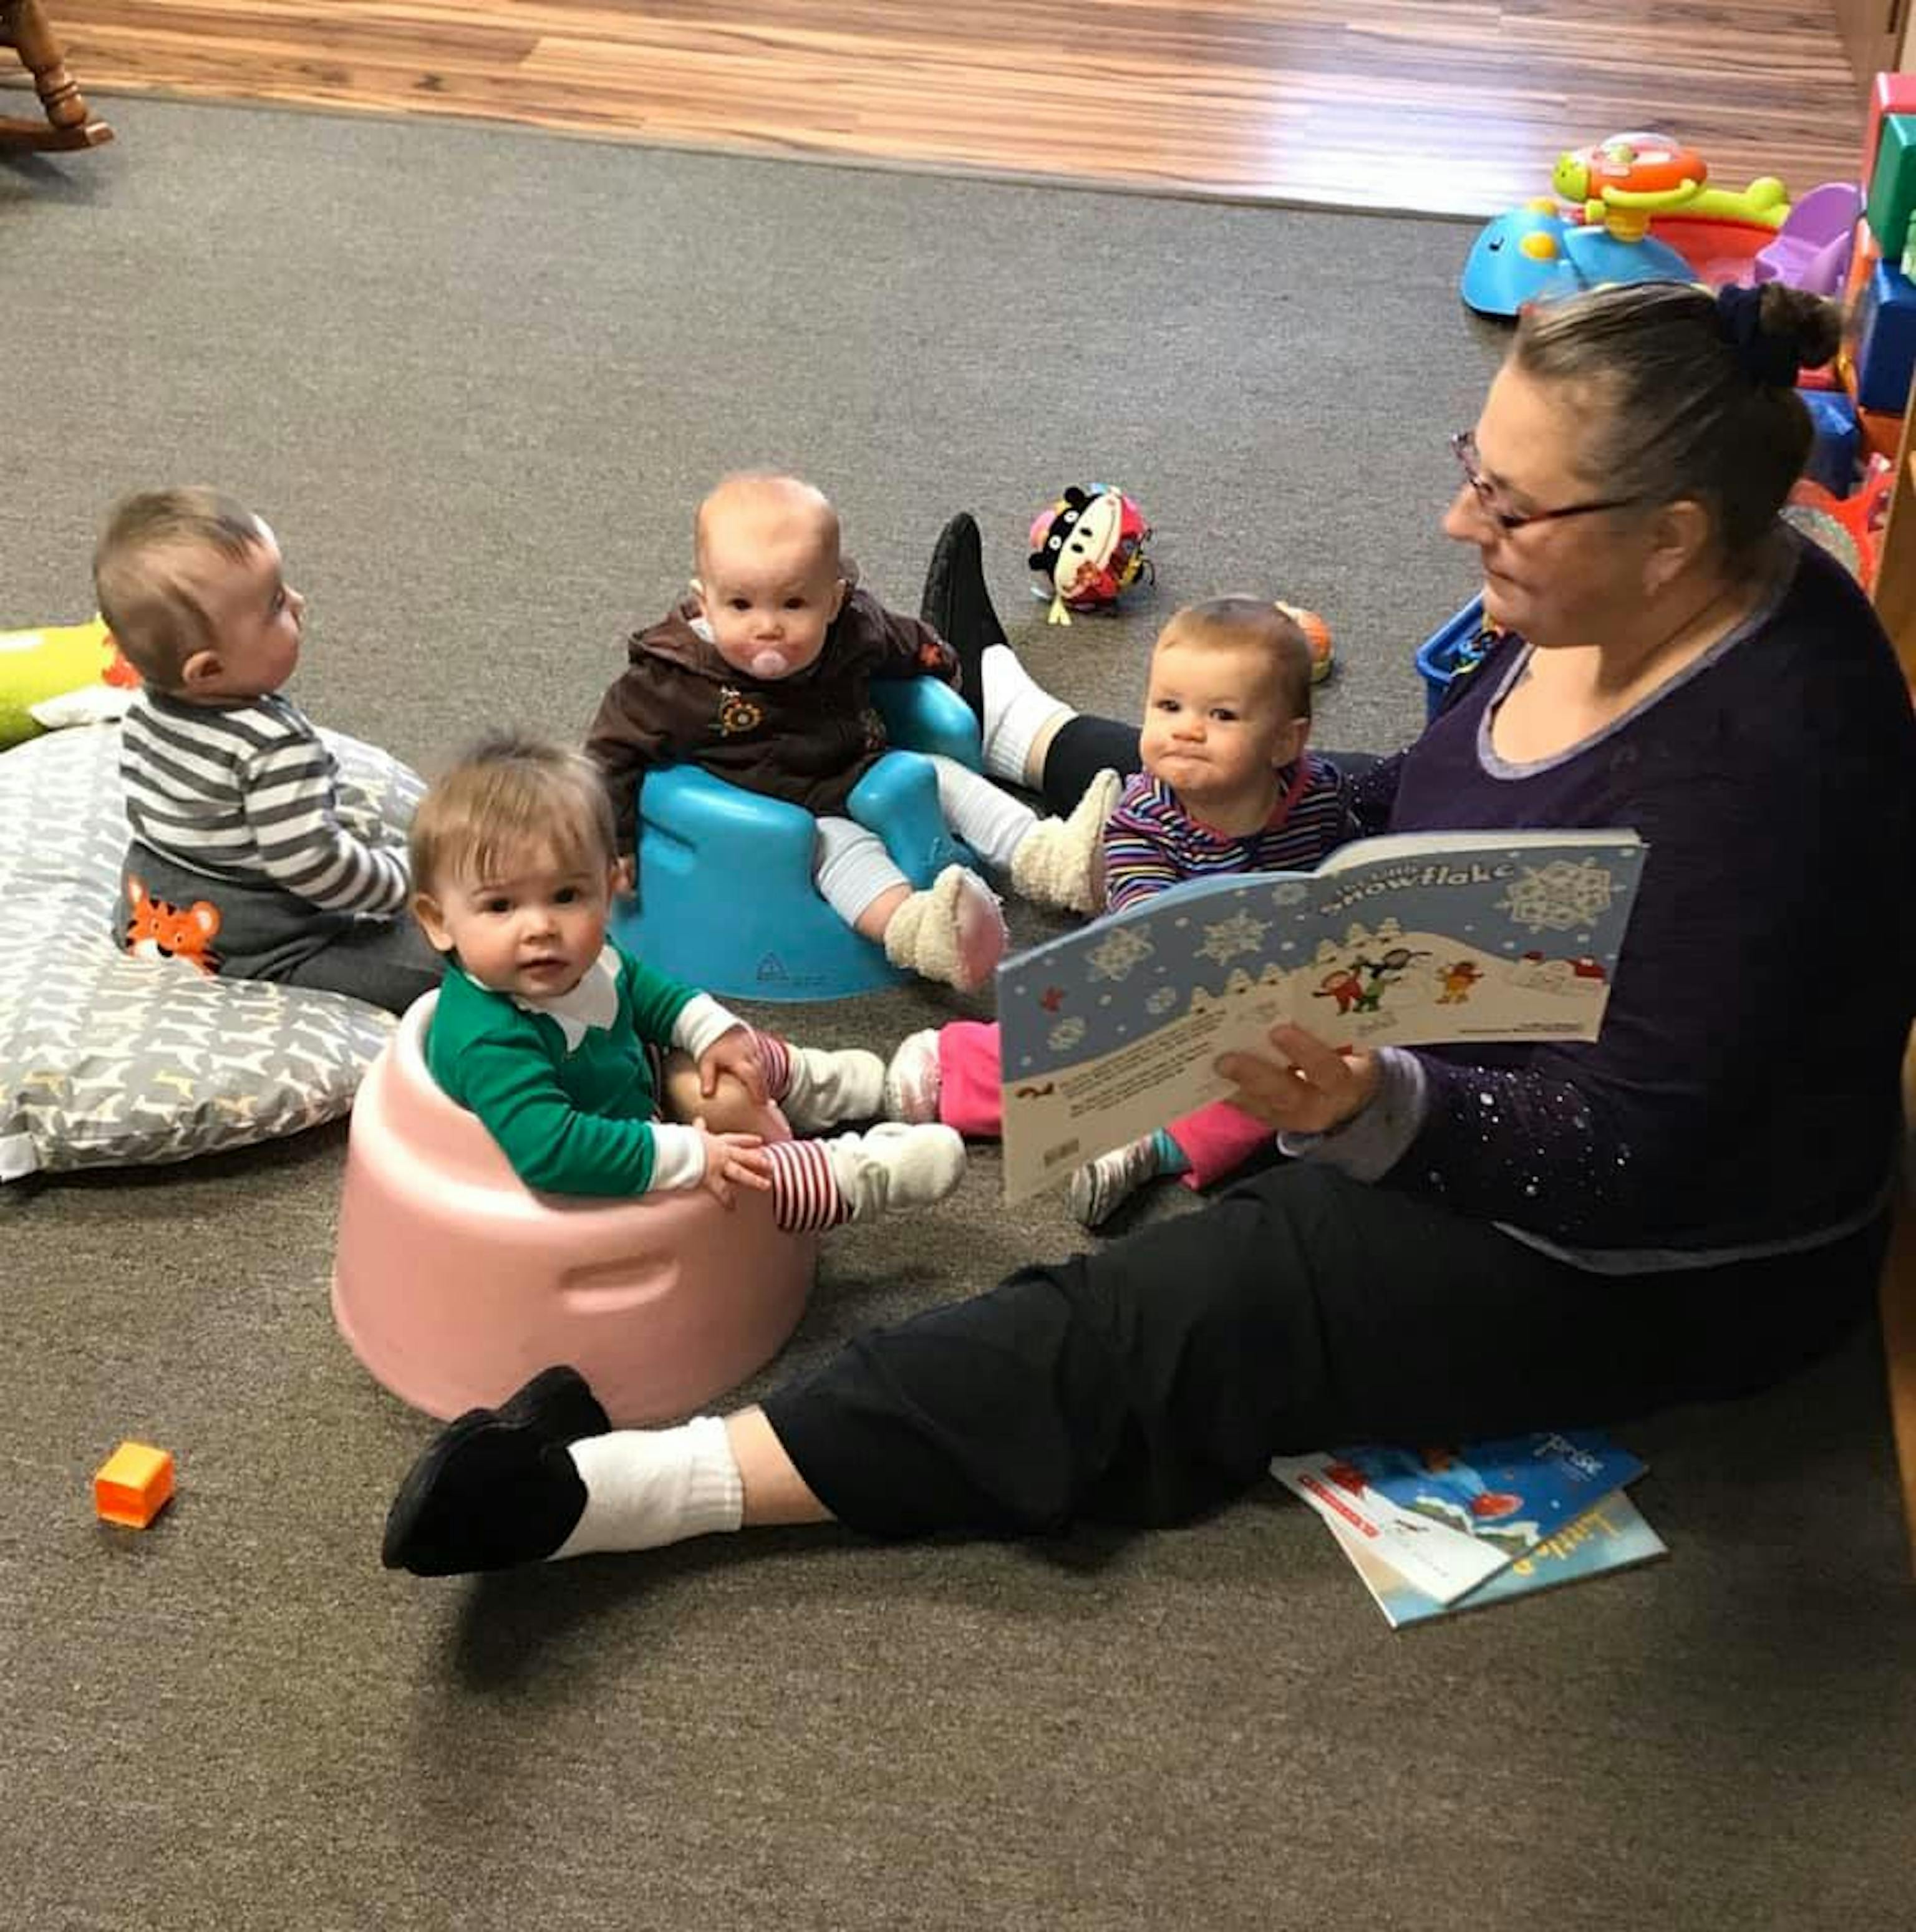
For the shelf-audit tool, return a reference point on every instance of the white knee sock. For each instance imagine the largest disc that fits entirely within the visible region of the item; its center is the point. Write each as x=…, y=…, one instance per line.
x=647, y=1487
x=989, y=819
x=851, y=867
x=822, y=1087
x=1017, y=709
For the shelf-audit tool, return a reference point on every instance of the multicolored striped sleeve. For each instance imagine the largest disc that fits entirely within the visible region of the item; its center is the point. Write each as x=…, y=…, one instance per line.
x=1136, y=867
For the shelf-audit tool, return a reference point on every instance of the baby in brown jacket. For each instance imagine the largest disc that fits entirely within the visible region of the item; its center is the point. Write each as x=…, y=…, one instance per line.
x=762, y=675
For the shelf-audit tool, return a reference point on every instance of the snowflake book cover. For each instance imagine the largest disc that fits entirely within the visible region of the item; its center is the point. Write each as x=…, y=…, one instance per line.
x=1417, y=941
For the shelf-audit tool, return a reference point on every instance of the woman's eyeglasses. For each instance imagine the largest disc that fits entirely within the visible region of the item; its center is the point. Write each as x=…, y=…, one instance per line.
x=1463, y=447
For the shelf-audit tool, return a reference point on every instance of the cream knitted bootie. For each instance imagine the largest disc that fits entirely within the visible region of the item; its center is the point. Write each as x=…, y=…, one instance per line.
x=952, y=932
x=1060, y=862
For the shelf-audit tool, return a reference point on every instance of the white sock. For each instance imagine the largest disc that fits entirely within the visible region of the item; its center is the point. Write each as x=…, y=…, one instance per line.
x=825, y=1087
x=1017, y=709
x=987, y=817
x=894, y=1166
x=647, y=1487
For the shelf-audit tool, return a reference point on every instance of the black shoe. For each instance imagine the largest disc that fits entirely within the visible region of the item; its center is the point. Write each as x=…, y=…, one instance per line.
x=957, y=604
x=489, y=1493
x=557, y=1405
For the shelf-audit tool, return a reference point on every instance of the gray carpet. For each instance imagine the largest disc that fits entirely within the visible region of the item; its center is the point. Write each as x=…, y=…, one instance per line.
x=476, y=379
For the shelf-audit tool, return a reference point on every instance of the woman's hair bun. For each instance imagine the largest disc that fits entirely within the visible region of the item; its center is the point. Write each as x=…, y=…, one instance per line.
x=1774, y=331
x=1811, y=324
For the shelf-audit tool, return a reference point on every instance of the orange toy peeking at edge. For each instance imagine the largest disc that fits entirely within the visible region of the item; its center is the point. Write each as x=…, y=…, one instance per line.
x=1317, y=635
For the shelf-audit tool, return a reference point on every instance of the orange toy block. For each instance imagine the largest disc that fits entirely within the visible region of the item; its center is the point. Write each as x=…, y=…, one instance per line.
x=1882, y=432
x=1862, y=259
x=134, y=1485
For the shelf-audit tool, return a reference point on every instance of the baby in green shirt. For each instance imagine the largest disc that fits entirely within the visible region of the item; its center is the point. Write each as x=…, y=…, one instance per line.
x=564, y=1045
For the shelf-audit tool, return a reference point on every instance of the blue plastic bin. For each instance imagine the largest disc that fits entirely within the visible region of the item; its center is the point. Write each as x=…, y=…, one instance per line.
x=1439, y=655
x=725, y=898
x=1835, y=454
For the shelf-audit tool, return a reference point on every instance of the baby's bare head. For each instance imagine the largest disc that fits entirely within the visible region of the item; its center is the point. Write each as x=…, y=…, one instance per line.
x=1270, y=641
x=753, y=514
x=159, y=568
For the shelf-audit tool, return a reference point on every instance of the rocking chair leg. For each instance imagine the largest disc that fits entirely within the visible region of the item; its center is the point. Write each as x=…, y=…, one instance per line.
x=24, y=26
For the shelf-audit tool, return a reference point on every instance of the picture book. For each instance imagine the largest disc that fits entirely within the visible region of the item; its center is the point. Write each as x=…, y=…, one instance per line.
x=1112, y=1031
x=1442, y=1562
x=1612, y=1536
x=1449, y=1521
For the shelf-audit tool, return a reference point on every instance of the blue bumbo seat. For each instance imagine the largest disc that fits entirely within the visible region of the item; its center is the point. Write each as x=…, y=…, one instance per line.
x=725, y=900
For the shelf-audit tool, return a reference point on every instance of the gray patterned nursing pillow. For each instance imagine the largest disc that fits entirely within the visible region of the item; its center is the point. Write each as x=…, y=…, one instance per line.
x=108, y=1060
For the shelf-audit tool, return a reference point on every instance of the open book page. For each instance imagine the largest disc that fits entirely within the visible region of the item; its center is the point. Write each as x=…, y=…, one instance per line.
x=1414, y=1510
x=1441, y=1562
x=1510, y=1490
x=1611, y=1535
x=1112, y=1032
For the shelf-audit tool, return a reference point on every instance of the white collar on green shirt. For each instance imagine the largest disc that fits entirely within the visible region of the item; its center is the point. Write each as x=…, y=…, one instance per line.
x=593, y=1003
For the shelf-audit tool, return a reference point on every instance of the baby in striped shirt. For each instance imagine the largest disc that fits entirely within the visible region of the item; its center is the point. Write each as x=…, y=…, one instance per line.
x=248, y=856
x=1228, y=785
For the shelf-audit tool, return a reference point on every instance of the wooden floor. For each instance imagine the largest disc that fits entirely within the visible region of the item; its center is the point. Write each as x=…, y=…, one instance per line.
x=1448, y=105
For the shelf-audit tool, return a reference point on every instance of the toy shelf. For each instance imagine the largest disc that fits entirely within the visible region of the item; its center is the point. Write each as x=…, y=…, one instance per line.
x=1895, y=570
x=1895, y=604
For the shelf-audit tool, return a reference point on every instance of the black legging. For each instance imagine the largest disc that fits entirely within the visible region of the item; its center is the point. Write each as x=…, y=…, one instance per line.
x=1149, y=1380
x=1084, y=747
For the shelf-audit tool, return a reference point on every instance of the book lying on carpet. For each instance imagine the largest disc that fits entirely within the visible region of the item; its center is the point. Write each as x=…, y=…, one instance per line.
x=1451, y=1523
x=1448, y=1522
x=1612, y=1536
x=1112, y=1031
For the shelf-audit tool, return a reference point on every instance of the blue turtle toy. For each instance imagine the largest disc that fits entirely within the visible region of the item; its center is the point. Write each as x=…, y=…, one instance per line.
x=1533, y=253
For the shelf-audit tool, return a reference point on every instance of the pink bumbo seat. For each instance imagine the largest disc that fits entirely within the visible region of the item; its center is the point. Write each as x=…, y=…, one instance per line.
x=454, y=1282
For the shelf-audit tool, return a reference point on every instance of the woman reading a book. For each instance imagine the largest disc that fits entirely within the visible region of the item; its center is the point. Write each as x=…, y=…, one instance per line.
x=1466, y=1241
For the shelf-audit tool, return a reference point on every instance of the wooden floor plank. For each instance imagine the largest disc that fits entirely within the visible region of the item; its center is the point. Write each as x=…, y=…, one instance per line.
x=1421, y=104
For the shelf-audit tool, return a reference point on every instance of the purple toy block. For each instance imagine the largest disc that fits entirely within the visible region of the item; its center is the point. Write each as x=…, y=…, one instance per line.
x=1811, y=248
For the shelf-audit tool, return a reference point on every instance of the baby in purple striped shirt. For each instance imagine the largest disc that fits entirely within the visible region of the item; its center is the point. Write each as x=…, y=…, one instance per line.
x=1228, y=785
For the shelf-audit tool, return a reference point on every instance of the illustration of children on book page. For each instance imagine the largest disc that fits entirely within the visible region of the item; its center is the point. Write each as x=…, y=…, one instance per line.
x=1357, y=982
x=1110, y=1032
